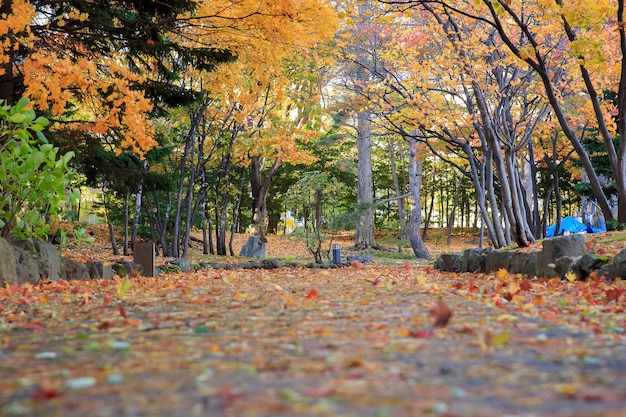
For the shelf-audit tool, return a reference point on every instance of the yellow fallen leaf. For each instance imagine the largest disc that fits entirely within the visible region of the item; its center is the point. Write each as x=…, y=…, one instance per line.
x=570, y=276
x=506, y=317
x=502, y=274
x=500, y=338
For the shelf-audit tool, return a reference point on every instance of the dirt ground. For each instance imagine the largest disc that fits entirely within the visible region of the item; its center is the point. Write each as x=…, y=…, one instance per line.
x=278, y=246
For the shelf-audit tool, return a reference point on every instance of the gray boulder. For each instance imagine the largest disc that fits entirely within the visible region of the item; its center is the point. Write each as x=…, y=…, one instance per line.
x=497, y=260
x=27, y=265
x=99, y=270
x=449, y=262
x=554, y=249
x=365, y=258
x=71, y=269
x=589, y=262
x=473, y=259
x=8, y=265
x=49, y=260
x=254, y=248
x=127, y=268
x=618, y=266
x=525, y=263
x=184, y=264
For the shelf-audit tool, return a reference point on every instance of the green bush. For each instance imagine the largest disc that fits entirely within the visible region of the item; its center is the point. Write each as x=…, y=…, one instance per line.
x=33, y=178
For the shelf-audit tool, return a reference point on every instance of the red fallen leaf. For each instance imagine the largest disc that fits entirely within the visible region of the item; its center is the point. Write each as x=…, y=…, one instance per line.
x=406, y=266
x=46, y=391
x=524, y=285
x=104, y=325
x=375, y=282
x=123, y=312
x=500, y=303
x=311, y=295
x=442, y=314
x=613, y=294
x=356, y=264
x=33, y=326
x=105, y=302
x=422, y=334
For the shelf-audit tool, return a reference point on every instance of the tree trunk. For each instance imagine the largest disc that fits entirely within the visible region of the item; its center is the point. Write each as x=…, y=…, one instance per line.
x=415, y=185
x=116, y=250
x=138, y=197
x=233, y=227
x=365, y=214
x=396, y=186
x=221, y=241
x=453, y=210
x=126, y=221
x=260, y=186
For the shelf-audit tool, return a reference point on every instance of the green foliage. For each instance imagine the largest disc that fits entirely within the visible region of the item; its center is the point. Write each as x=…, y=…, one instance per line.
x=34, y=178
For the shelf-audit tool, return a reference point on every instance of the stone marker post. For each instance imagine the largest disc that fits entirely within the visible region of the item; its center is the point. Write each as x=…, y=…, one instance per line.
x=145, y=255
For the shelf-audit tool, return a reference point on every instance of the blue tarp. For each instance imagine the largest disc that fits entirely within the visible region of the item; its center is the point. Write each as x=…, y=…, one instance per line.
x=571, y=225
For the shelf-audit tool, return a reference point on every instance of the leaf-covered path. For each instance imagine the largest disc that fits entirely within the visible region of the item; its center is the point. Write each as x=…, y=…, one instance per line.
x=369, y=341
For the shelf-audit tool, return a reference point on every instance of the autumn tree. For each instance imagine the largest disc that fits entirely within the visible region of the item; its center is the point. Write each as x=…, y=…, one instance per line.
x=573, y=51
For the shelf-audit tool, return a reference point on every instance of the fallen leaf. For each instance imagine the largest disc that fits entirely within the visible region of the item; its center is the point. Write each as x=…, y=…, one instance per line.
x=441, y=313
x=46, y=391
x=311, y=295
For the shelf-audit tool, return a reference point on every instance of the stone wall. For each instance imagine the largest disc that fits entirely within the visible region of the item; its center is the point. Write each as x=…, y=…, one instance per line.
x=22, y=262
x=558, y=257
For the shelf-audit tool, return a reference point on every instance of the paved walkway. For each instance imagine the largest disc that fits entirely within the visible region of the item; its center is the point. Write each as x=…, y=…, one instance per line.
x=294, y=343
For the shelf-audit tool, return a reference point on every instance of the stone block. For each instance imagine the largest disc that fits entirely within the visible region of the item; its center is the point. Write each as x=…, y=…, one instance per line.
x=145, y=255
x=473, y=259
x=254, y=248
x=558, y=247
x=497, y=260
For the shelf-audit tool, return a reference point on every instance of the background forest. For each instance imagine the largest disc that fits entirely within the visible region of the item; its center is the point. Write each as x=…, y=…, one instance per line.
x=263, y=117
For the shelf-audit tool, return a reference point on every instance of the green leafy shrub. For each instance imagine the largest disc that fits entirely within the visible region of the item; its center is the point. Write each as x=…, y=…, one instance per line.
x=33, y=178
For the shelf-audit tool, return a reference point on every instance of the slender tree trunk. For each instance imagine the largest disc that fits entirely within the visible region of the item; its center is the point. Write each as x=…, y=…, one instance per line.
x=396, y=186
x=453, y=210
x=107, y=216
x=415, y=185
x=233, y=227
x=365, y=214
x=138, y=198
x=221, y=242
x=126, y=221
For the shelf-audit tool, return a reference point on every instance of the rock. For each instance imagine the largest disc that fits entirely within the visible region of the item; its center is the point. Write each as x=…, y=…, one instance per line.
x=361, y=258
x=100, y=270
x=619, y=265
x=589, y=262
x=564, y=265
x=127, y=268
x=525, y=263
x=49, y=261
x=474, y=260
x=8, y=264
x=27, y=265
x=449, y=262
x=254, y=248
x=558, y=247
x=71, y=269
x=184, y=264
x=271, y=264
x=497, y=260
